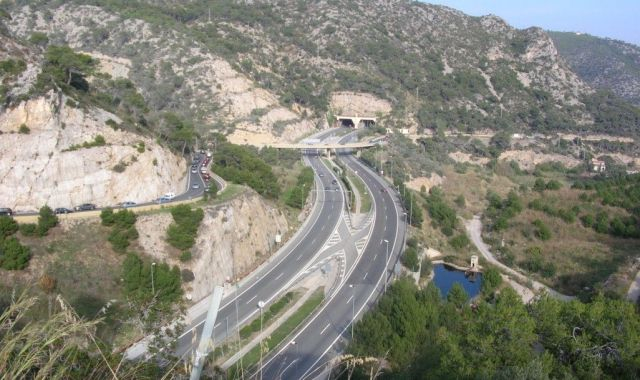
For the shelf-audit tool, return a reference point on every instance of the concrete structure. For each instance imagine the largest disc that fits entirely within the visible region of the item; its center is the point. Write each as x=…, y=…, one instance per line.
x=356, y=120
x=598, y=165
x=325, y=148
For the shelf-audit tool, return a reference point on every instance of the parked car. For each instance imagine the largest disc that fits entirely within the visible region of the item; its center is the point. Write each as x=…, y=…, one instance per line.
x=85, y=207
x=169, y=196
x=194, y=170
x=203, y=170
x=62, y=210
x=6, y=211
x=206, y=176
x=127, y=204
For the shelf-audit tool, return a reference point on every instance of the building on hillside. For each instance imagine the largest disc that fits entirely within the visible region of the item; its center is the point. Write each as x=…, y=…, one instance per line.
x=598, y=166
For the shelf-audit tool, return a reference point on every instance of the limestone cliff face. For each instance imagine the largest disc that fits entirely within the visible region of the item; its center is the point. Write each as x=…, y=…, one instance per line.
x=41, y=168
x=233, y=238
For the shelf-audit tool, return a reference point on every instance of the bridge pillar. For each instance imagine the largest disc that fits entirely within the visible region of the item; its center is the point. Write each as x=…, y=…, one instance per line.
x=327, y=152
x=358, y=153
x=356, y=122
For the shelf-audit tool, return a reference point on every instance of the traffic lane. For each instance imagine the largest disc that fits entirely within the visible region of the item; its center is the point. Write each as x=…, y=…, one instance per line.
x=267, y=284
x=334, y=319
x=319, y=216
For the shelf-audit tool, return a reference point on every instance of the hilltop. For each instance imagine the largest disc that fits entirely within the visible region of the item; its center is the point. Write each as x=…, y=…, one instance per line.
x=266, y=70
x=602, y=62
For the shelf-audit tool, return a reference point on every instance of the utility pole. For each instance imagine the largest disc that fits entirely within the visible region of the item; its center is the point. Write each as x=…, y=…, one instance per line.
x=353, y=309
x=410, y=206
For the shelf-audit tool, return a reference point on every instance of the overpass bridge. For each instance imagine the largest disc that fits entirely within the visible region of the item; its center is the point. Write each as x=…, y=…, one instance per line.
x=326, y=148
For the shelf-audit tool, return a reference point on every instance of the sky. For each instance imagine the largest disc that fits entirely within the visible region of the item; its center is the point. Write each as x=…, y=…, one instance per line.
x=617, y=19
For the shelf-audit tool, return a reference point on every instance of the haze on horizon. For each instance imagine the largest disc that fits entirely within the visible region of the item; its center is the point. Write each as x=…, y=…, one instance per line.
x=616, y=20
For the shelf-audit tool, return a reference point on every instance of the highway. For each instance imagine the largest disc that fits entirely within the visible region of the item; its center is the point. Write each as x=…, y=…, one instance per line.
x=306, y=353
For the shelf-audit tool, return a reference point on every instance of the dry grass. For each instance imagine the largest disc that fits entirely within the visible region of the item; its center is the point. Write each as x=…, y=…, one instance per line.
x=85, y=268
x=583, y=258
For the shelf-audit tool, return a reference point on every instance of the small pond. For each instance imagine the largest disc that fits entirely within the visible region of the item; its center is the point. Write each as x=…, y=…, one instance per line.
x=445, y=276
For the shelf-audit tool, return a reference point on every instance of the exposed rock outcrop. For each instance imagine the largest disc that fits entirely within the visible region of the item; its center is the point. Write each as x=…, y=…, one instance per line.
x=43, y=166
x=233, y=238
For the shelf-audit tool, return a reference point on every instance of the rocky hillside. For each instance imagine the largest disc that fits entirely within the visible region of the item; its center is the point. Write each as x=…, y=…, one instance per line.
x=602, y=62
x=268, y=70
x=233, y=239
x=62, y=156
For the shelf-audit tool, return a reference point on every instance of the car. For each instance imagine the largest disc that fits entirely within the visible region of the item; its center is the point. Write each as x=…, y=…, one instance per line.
x=206, y=176
x=203, y=170
x=195, y=186
x=334, y=182
x=383, y=190
x=207, y=179
x=337, y=189
x=327, y=188
x=62, y=210
x=169, y=196
x=194, y=170
x=85, y=207
x=6, y=211
x=209, y=154
x=321, y=174
x=127, y=204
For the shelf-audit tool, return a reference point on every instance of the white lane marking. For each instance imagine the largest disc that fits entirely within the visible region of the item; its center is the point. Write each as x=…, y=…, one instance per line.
x=325, y=328
x=280, y=275
x=313, y=241
x=374, y=257
x=219, y=323
x=252, y=298
x=349, y=300
x=299, y=257
x=385, y=228
x=365, y=275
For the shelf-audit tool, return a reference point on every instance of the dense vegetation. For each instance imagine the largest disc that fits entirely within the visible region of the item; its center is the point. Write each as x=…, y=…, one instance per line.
x=602, y=62
x=619, y=191
x=123, y=228
x=243, y=165
x=13, y=255
x=295, y=196
x=420, y=335
x=183, y=231
x=149, y=282
x=47, y=219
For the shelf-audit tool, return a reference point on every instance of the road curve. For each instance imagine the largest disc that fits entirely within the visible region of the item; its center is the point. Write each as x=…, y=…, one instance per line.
x=306, y=353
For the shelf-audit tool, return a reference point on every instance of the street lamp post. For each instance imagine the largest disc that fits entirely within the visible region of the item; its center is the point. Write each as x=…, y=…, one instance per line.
x=353, y=309
x=153, y=288
x=385, y=265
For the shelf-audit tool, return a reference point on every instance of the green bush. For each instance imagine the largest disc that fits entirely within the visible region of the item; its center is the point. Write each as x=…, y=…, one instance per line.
x=185, y=256
x=410, y=258
x=13, y=255
x=47, y=219
x=442, y=215
x=459, y=242
x=183, y=232
x=24, y=129
x=123, y=228
x=242, y=165
x=542, y=232
x=137, y=280
x=491, y=279
x=8, y=226
x=29, y=229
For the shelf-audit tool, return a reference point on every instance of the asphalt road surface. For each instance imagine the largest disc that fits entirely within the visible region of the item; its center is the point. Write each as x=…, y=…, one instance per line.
x=306, y=354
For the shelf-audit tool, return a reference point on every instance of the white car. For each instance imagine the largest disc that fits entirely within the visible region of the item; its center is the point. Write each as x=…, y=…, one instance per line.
x=169, y=196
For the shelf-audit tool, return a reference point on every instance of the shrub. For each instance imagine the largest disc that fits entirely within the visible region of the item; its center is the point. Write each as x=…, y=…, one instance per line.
x=410, y=258
x=491, y=279
x=543, y=232
x=47, y=219
x=182, y=233
x=106, y=216
x=13, y=255
x=587, y=220
x=8, y=226
x=459, y=242
x=120, y=167
x=185, y=256
x=29, y=229
x=124, y=230
x=24, y=129
x=187, y=275
x=553, y=185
